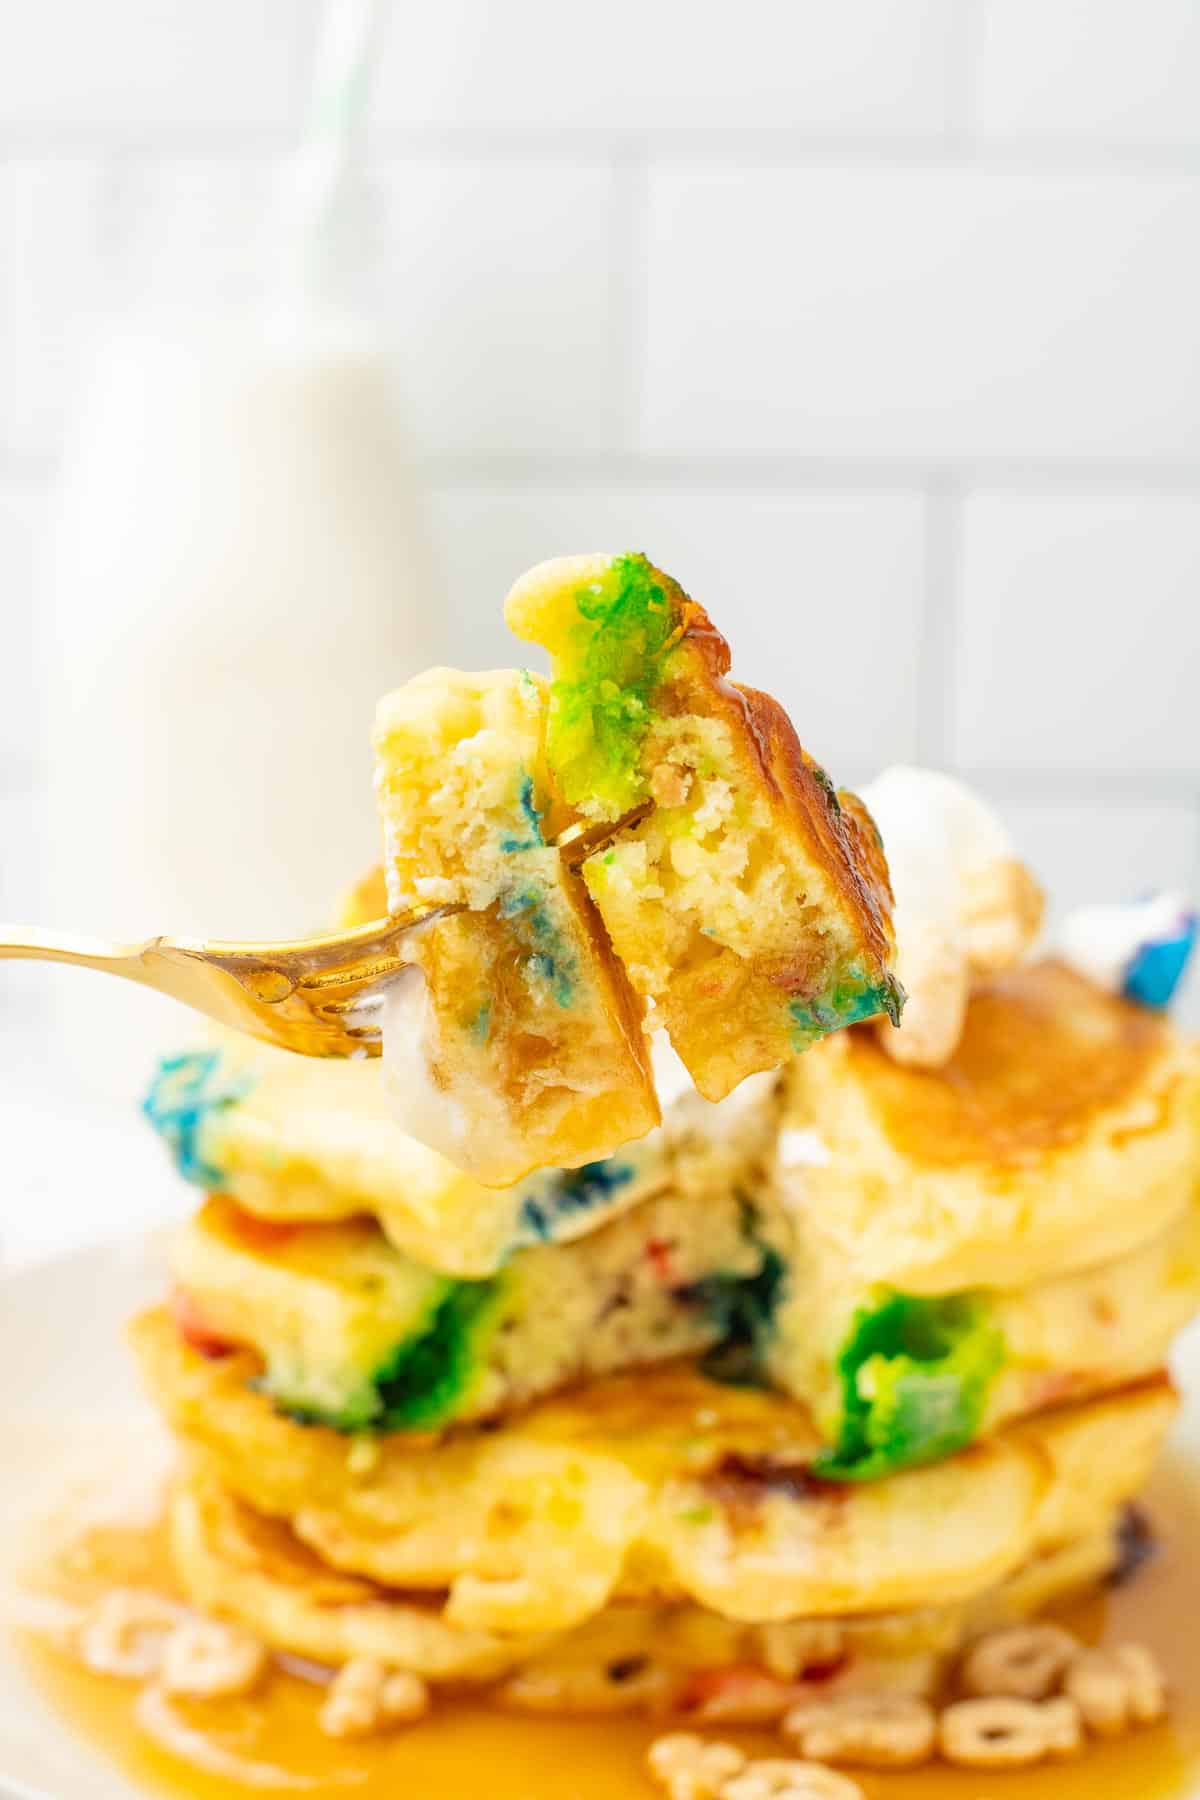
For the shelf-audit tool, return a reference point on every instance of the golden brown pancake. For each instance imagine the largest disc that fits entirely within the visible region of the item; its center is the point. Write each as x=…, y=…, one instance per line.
x=238, y=1564
x=1064, y=1131
x=1042, y=1055
x=656, y=1485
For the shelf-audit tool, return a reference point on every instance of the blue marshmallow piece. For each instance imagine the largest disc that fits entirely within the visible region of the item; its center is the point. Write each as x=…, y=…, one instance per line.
x=1156, y=969
x=184, y=1094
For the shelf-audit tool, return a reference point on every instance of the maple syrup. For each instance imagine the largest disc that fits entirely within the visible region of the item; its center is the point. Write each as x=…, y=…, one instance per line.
x=467, y=1750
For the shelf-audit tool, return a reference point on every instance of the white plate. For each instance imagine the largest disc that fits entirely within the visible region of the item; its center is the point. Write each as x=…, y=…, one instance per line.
x=67, y=1401
x=69, y=1407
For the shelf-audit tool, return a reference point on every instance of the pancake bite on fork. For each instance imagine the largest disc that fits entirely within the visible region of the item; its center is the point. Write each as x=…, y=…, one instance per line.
x=636, y=845
x=747, y=898
x=518, y=1042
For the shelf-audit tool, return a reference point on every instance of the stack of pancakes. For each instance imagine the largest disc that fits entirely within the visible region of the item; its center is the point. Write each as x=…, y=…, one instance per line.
x=810, y=1385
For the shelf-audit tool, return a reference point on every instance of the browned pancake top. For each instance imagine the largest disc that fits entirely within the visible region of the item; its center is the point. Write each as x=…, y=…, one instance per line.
x=1042, y=1054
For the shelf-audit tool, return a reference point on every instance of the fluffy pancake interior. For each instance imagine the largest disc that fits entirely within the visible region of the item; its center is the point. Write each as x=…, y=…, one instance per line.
x=896, y=1379
x=728, y=923
x=358, y=1337
x=459, y=782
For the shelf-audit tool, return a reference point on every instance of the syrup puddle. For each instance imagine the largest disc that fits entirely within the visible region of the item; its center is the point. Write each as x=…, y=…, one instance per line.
x=221, y=1750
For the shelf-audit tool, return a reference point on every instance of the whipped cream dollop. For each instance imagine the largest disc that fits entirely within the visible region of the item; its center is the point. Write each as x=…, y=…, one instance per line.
x=1139, y=949
x=965, y=904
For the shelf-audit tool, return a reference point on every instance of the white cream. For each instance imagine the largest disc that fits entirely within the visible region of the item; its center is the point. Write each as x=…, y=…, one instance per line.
x=420, y=1107
x=963, y=902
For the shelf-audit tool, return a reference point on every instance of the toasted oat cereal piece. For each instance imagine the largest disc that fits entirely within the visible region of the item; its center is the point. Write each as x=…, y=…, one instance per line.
x=746, y=897
x=366, y=1697
x=1002, y=1733
x=1115, y=1689
x=208, y=1660
x=1024, y=1662
x=516, y=1042
x=783, y=1779
x=691, y=1767
x=882, y=1731
x=126, y=1633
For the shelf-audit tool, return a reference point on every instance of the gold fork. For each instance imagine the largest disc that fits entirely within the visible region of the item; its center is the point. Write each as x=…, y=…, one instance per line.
x=321, y=996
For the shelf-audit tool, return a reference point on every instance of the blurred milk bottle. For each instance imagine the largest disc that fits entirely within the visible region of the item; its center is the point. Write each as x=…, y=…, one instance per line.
x=240, y=571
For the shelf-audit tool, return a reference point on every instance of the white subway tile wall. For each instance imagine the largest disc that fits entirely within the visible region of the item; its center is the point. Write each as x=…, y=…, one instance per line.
x=1079, y=636
x=1123, y=72
x=141, y=67
x=503, y=304
x=50, y=260
x=921, y=312
x=792, y=576
x=880, y=324
x=670, y=64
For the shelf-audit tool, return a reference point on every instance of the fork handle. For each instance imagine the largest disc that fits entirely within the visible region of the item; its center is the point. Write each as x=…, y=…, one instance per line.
x=27, y=945
x=169, y=966
x=298, y=996
x=246, y=995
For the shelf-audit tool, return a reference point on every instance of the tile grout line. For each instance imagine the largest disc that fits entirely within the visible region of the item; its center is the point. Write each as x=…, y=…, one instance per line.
x=964, y=45
x=1058, y=786
x=954, y=144
x=773, y=471
x=785, y=470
